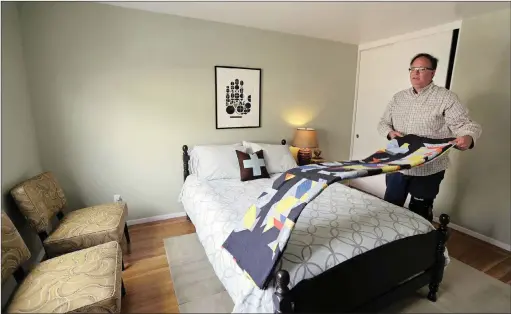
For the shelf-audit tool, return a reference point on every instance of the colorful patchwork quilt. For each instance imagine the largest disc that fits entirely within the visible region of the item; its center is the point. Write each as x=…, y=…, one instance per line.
x=257, y=243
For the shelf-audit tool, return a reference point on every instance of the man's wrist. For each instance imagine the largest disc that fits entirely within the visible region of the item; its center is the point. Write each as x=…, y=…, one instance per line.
x=472, y=142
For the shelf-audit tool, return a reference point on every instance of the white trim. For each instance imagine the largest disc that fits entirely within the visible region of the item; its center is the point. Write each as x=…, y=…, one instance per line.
x=479, y=236
x=456, y=55
x=412, y=35
x=155, y=218
x=354, y=116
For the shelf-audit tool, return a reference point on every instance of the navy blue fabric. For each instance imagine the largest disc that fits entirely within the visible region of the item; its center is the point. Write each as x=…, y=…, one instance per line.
x=422, y=189
x=400, y=185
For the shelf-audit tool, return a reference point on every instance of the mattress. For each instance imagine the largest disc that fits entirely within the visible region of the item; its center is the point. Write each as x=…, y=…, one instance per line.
x=337, y=225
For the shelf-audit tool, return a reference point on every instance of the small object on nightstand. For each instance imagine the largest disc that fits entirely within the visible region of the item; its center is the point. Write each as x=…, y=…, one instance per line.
x=319, y=160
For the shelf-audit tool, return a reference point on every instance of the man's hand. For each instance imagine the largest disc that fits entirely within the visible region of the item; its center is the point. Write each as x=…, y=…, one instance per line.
x=463, y=142
x=393, y=134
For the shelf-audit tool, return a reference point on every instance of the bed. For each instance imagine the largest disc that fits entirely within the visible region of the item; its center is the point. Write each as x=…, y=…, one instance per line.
x=349, y=251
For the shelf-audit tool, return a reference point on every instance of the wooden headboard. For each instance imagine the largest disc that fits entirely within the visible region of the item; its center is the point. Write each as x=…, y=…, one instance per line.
x=186, y=159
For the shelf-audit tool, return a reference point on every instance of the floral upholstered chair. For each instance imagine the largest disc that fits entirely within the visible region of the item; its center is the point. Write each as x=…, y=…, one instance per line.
x=14, y=250
x=85, y=281
x=41, y=198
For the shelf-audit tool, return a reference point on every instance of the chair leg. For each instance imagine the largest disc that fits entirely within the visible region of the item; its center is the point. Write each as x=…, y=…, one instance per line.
x=123, y=265
x=19, y=275
x=127, y=233
x=123, y=290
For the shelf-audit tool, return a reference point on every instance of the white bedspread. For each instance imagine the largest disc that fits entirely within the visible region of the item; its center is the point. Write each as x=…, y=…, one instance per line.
x=339, y=224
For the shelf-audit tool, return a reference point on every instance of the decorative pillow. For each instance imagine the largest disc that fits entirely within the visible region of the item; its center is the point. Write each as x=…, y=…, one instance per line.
x=212, y=162
x=278, y=157
x=252, y=166
x=294, y=152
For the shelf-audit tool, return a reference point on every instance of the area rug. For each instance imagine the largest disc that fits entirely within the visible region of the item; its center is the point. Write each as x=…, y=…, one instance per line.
x=463, y=290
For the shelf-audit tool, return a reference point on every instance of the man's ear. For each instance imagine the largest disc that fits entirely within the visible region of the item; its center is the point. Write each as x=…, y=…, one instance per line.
x=434, y=72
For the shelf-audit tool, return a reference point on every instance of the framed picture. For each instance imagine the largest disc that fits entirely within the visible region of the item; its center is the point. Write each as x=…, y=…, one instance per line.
x=238, y=97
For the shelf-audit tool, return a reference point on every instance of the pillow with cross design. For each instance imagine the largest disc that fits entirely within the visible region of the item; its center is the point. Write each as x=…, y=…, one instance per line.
x=252, y=166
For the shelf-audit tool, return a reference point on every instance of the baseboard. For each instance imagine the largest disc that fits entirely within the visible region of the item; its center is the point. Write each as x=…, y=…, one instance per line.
x=479, y=236
x=155, y=218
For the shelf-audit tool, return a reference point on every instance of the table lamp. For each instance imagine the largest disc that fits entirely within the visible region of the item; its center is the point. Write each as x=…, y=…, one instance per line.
x=305, y=139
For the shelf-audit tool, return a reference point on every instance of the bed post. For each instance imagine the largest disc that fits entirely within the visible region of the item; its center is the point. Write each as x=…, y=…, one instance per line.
x=438, y=271
x=186, y=170
x=186, y=158
x=282, y=297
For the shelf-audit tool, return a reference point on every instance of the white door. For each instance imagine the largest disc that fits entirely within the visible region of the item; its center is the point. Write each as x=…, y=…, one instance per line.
x=383, y=71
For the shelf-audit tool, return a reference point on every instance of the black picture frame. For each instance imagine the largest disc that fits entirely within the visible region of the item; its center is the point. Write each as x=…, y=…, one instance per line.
x=240, y=110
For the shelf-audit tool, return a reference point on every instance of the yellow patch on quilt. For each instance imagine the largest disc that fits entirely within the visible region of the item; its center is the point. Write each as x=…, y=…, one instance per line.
x=415, y=160
x=250, y=217
x=390, y=168
x=289, y=223
x=286, y=204
x=269, y=224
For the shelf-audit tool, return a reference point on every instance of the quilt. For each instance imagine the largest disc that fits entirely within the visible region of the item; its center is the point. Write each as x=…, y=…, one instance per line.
x=257, y=243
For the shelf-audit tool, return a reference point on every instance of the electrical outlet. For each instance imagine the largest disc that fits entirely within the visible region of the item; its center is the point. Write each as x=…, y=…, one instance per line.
x=117, y=198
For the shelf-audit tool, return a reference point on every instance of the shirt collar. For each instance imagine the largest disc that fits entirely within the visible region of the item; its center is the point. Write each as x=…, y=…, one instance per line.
x=425, y=89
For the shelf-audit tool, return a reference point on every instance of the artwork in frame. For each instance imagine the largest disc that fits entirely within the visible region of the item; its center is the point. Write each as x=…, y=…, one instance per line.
x=238, y=97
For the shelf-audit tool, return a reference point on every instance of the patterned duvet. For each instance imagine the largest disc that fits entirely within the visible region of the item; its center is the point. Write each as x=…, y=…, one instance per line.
x=337, y=225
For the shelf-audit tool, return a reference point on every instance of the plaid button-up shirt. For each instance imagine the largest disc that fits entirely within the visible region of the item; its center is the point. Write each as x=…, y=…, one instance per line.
x=434, y=112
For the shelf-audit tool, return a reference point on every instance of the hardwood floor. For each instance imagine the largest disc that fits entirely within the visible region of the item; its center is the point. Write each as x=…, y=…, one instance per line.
x=147, y=276
x=150, y=290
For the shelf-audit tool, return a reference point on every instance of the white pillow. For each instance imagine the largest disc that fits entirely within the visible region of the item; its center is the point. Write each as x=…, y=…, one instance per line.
x=211, y=162
x=278, y=158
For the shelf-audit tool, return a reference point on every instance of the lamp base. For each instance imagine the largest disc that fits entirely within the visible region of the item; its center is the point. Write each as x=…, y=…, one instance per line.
x=304, y=156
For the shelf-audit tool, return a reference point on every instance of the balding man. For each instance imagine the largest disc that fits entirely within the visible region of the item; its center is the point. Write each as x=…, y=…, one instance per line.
x=430, y=111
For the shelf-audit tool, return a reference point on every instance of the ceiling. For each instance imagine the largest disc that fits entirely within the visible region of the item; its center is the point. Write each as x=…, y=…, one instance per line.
x=348, y=22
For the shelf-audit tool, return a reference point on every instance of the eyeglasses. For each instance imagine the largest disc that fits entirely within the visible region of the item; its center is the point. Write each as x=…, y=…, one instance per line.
x=420, y=69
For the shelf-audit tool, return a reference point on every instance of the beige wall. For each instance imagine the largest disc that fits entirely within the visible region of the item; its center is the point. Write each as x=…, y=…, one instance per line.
x=117, y=92
x=476, y=192
x=20, y=158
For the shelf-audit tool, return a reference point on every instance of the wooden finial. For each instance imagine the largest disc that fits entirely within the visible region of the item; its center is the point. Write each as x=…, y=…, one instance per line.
x=444, y=220
x=186, y=158
x=284, y=303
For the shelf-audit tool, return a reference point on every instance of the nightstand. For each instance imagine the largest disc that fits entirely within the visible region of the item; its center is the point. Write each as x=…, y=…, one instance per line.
x=317, y=160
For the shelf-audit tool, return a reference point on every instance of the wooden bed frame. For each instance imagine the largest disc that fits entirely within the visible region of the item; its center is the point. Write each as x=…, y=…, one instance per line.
x=370, y=281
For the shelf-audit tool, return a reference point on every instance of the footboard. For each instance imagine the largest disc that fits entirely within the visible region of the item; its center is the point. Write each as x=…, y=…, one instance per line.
x=370, y=280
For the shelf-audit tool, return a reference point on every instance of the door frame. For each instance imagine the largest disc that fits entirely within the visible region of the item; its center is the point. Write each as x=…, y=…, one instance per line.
x=389, y=41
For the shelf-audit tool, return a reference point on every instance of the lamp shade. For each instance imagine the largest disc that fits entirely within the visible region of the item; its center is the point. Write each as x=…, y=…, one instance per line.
x=305, y=138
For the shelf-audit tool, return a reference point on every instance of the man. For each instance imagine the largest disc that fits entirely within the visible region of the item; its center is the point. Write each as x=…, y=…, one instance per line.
x=431, y=111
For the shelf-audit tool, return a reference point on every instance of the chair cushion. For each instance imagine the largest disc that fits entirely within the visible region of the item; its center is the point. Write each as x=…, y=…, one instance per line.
x=87, y=227
x=39, y=199
x=14, y=250
x=84, y=281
